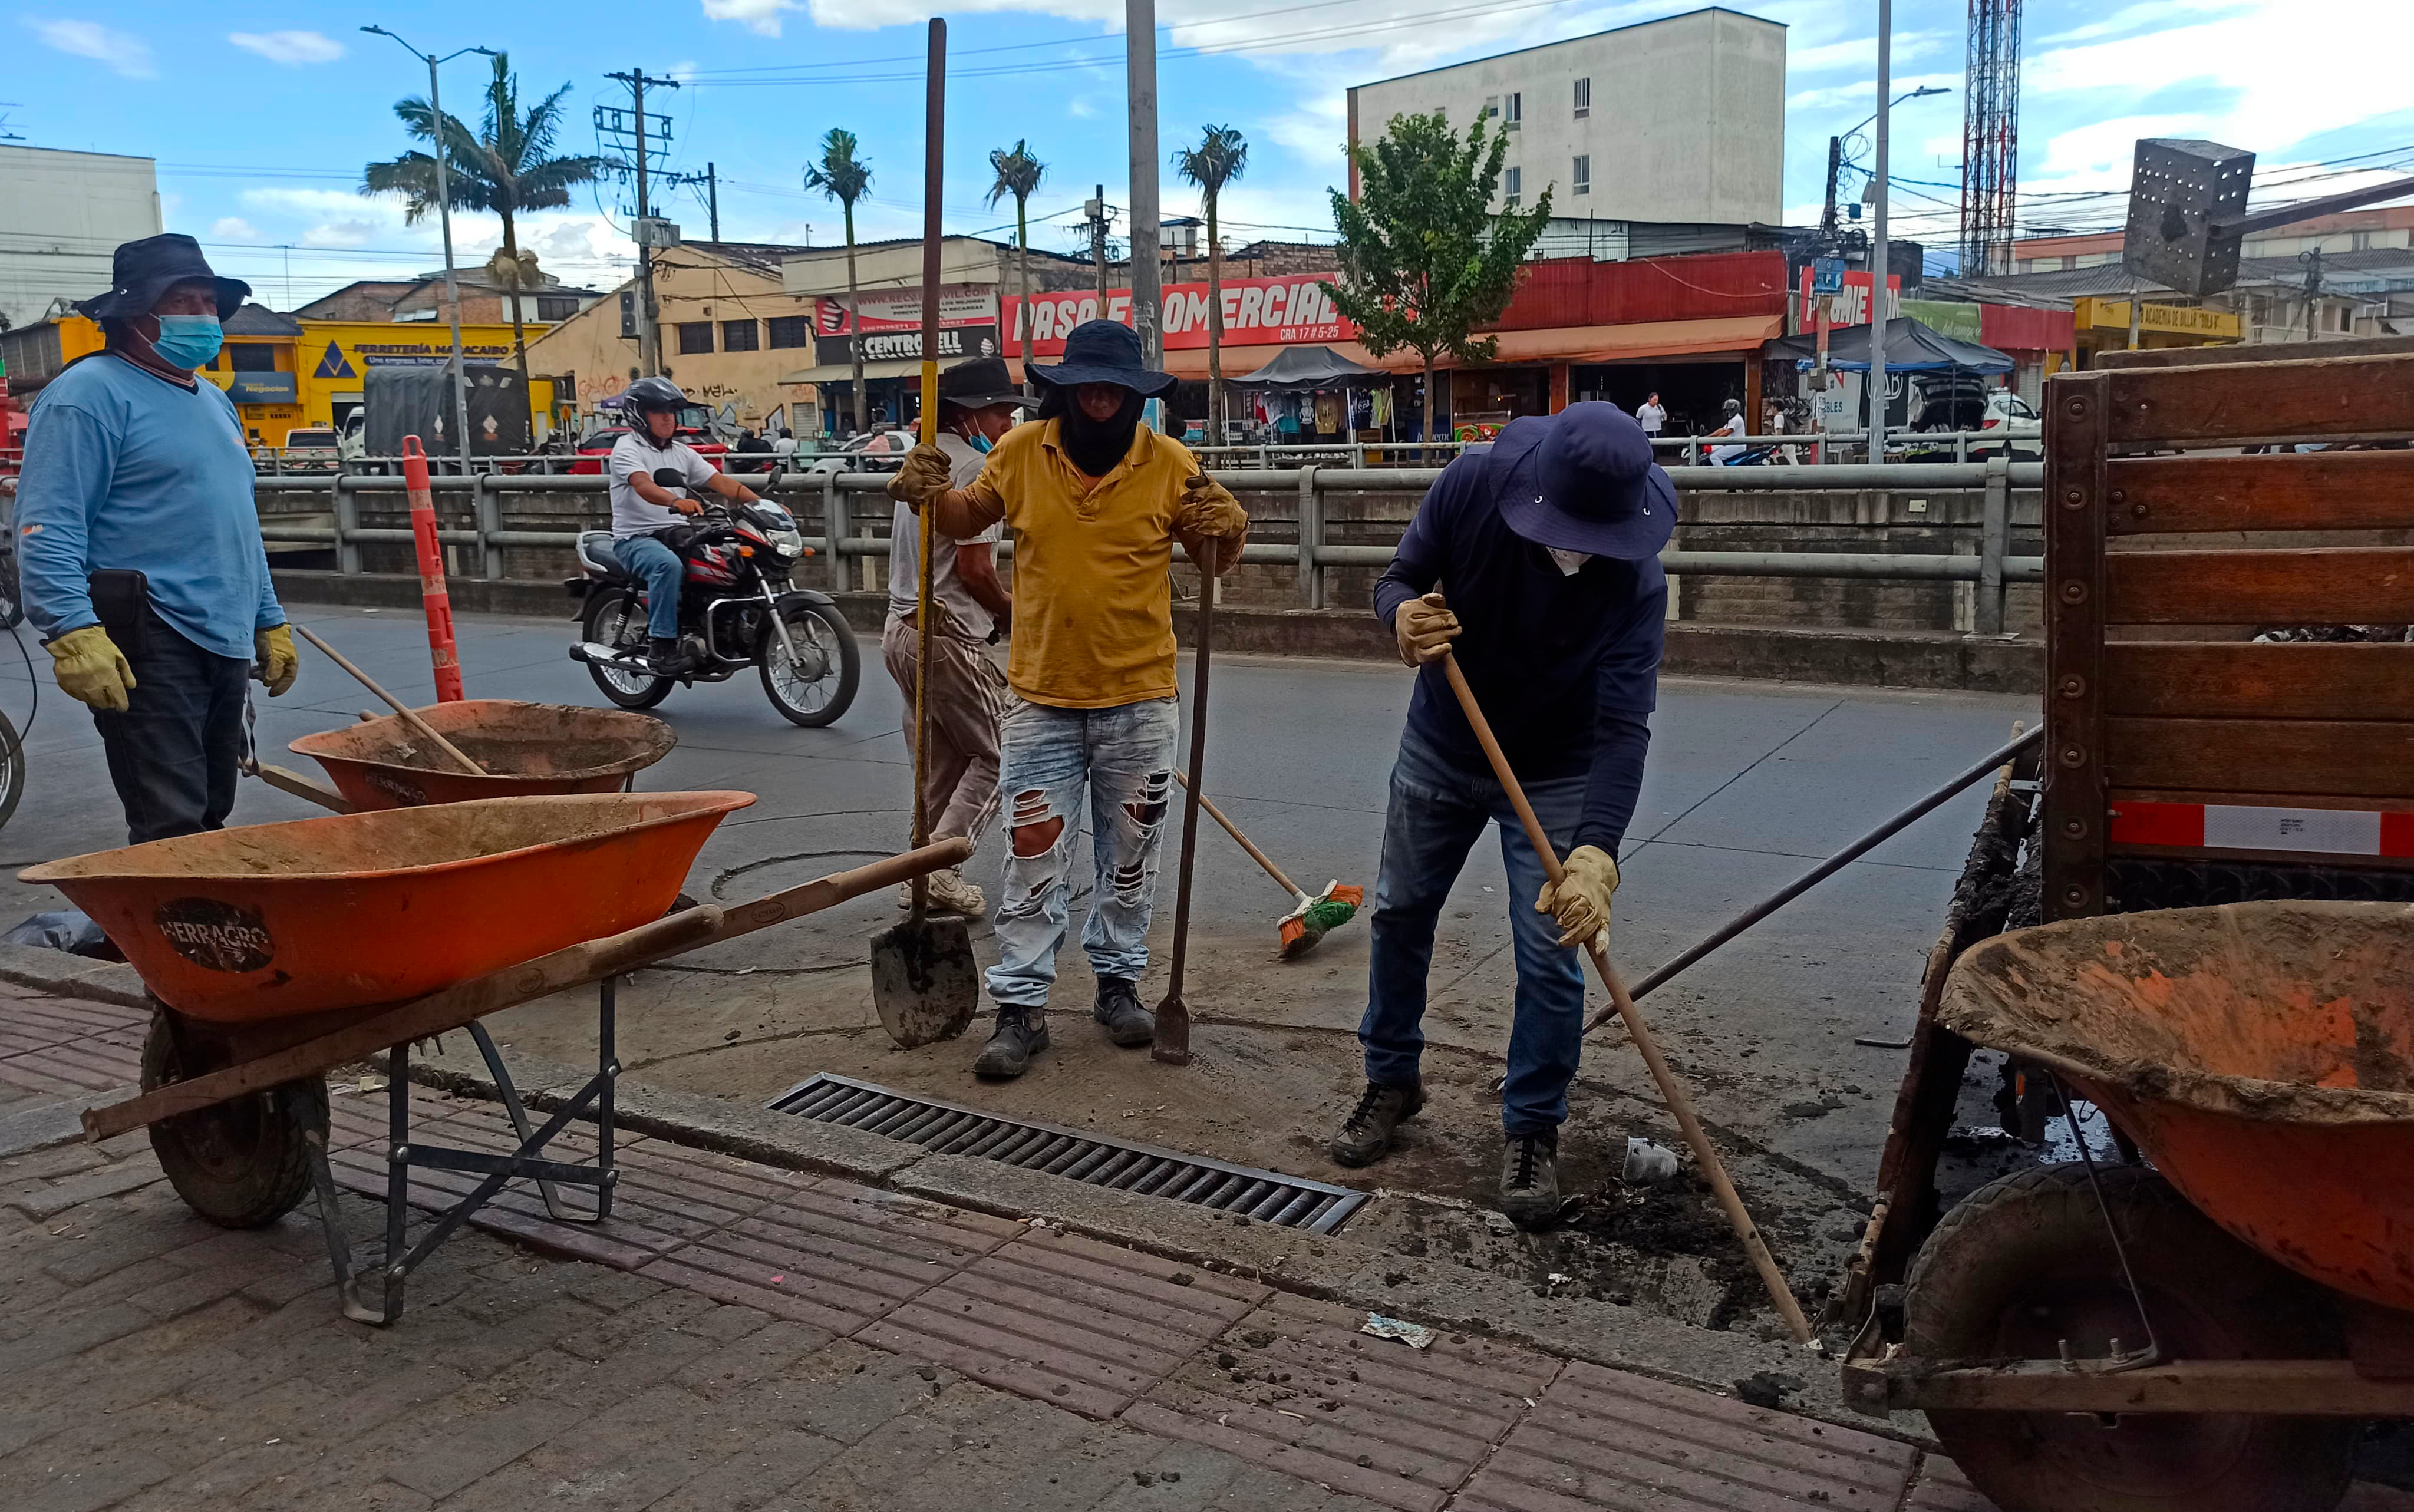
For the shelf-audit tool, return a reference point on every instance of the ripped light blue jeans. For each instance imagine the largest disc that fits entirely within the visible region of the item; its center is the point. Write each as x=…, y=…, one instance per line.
x=1051, y=760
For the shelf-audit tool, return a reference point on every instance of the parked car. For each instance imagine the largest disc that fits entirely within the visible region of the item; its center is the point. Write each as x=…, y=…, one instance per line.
x=597, y=444
x=311, y=449
x=1960, y=403
x=852, y=456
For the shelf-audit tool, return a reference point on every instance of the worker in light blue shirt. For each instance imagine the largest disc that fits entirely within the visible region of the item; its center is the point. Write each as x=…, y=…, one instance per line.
x=138, y=543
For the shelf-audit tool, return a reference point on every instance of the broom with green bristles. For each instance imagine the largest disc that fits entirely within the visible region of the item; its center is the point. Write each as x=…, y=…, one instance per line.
x=1316, y=915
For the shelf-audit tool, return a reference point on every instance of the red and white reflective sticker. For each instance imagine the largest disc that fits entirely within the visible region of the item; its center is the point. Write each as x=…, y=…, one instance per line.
x=2213, y=826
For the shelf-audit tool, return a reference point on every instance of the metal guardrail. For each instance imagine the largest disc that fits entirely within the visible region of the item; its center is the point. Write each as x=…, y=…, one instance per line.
x=842, y=537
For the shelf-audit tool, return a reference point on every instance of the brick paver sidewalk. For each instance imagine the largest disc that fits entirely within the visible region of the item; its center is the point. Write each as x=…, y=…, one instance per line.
x=742, y=1335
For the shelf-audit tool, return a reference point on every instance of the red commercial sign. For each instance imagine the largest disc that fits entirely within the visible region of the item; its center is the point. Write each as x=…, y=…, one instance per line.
x=900, y=309
x=1258, y=311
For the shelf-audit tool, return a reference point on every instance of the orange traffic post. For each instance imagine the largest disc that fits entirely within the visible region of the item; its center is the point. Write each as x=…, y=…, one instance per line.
x=438, y=598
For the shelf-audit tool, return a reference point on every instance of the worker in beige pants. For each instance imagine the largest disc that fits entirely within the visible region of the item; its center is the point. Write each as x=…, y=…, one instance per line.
x=968, y=697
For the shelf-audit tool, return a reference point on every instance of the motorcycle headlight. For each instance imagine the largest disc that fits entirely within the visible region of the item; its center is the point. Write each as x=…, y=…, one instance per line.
x=789, y=543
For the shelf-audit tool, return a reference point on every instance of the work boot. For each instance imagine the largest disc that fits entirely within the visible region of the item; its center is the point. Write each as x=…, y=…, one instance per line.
x=1366, y=1134
x=952, y=894
x=1127, y=1023
x=664, y=657
x=1021, y=1033
x=1529, y=1178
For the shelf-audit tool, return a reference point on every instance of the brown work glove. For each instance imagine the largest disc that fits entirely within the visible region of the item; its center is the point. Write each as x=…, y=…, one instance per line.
x=1424, y=628
x=91, y=669
x=1580, y=900
x=924, y=477
x=1207, y=507
x=272, y=650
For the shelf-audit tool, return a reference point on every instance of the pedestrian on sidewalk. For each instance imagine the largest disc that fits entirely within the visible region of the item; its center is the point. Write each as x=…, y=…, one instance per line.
x=1097, y=501
x=1549, y=542
x=1651, y=416
x=977, y=405
x=138, y=543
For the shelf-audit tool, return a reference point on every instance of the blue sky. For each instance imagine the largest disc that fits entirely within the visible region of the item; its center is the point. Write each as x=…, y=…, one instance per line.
x=261, y=116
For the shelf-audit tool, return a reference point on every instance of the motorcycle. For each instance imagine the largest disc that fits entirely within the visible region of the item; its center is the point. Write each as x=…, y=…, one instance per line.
x=737, y=610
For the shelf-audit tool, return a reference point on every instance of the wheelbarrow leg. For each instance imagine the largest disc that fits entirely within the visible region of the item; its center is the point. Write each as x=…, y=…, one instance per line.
x=511, y=1100
x=330, y=1222
x=397, y=1188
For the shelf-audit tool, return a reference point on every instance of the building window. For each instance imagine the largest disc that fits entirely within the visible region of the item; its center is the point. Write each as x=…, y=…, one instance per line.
x=792, y=331
x=740, y=335
x=252, y=357
x=1583, y=175
x=1491, y=105
x=556, y=306
x=1513, y=111
x=694, y=336
x=1513, y=186
x=1584, y=98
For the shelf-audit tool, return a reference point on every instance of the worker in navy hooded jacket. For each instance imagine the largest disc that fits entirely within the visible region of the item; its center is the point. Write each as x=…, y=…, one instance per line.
x=1535, y=562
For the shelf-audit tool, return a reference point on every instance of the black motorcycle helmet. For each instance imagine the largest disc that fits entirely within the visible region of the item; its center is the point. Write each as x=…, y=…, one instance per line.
x=1732, y=406
x=651, y=395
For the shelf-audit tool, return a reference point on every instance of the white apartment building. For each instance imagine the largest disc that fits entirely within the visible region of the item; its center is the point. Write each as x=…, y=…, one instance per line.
x=1677, y=119
x=62, y=215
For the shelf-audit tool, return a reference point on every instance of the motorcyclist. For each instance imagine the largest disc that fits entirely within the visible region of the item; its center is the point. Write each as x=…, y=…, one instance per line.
x=643, y=512
x=1733, y=424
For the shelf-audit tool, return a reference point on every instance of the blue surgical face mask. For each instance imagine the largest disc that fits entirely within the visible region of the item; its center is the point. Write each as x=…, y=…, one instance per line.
x=980, y=441
x=188, y=340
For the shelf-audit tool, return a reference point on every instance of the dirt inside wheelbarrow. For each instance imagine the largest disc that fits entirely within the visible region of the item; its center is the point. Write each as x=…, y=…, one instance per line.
x=508, y=755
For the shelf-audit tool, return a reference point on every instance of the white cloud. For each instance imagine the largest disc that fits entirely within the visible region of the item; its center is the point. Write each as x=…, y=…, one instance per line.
x=1080, y=108
x=232, y=229
x=339, y=233
x=761, y=17
x=121, y=52
x=292, y=49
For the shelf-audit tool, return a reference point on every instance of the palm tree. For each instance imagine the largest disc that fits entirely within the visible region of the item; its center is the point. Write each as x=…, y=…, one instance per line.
x=504, y=168
x=844, y=177
x=1221, y=157
x=1018, y=174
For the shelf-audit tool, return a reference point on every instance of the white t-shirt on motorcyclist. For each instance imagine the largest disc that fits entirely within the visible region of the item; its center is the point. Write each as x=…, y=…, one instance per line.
x=633, y=516
x=1717, y=454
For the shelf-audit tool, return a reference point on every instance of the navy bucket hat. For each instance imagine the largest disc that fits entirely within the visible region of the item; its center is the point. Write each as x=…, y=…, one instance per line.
x=1104, y=351
x=1582, y=480
x=143, y=271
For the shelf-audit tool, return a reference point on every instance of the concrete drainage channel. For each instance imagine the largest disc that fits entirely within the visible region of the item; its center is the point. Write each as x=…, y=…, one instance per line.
x=1115, y=1165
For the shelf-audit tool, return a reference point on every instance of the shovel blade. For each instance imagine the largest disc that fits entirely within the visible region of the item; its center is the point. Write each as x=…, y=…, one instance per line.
x=1172, y=1042
x=925, y=983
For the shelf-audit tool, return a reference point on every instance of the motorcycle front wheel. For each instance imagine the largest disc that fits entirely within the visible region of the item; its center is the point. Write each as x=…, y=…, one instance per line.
x=616, y=619
x=815, y=688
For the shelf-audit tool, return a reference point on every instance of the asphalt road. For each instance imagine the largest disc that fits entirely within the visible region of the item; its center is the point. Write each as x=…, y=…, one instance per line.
x=1748, y=784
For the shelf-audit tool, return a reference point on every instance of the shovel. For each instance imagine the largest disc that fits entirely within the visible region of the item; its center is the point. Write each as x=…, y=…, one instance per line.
x=925, y=983
x=1172, y=1042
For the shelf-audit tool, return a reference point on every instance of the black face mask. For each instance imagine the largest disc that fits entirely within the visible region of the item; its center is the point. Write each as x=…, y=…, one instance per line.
x=1095, y=445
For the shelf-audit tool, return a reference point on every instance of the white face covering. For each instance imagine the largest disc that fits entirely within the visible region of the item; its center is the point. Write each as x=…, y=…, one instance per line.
x=1571, y=562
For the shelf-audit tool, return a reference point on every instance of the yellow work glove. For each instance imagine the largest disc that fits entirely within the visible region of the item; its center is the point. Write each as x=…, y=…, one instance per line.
x=923, y=477
x=1580, y=900
x=1424, y=628
x=91, y=669
x=273, y=648
x=1208, y=508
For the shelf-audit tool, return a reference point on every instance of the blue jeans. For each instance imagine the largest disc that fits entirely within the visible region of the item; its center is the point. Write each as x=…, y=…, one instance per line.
x=661, y=567
x=1438, y=809
x=1050, y=760
x=172, y=754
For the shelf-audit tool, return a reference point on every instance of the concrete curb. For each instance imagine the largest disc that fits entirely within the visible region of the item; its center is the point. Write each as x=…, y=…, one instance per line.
x=1330, y=1268
x=72, y=976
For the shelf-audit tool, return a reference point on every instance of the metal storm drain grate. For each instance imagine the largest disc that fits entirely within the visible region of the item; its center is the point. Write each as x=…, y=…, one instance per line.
x=946, y=1129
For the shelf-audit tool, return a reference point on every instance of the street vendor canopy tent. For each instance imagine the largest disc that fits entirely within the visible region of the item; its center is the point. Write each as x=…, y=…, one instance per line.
x=1309, y=368
x=1911, y=346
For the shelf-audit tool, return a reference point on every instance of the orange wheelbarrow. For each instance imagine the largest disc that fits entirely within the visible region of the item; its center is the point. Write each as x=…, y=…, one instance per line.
x=2211, y=1331
x=527, y=749
x=275, y=953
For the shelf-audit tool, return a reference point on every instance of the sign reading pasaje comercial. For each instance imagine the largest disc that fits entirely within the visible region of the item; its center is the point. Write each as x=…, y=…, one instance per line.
x=1258, y=311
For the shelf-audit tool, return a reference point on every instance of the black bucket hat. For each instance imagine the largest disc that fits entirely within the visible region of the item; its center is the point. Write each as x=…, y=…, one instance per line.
x=1104, y=351
x=143, y=271
x=981, y=383
x=1582, y=480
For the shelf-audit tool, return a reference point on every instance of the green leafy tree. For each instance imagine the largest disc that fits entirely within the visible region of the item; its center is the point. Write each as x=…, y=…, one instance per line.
x=1018, y=174
x=1221, y=157
x=1423, y=259
x=505, y=168
x=845, y=178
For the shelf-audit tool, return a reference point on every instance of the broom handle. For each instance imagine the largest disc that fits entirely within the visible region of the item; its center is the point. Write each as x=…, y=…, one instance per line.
x=1234, y=830
x=409, y=716
x=1671, y=1091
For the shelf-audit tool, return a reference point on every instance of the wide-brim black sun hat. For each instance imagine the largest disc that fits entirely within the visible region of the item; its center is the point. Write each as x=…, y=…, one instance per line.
x=1104, y=351
x=143, y=271
x=1582, y=480
x=979, y=383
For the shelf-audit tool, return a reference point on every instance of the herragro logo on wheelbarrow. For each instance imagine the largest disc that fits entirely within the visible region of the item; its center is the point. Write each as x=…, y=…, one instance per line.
x=223, y=937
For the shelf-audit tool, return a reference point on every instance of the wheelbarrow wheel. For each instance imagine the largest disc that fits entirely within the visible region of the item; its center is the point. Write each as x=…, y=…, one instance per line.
x=2026, y=1262
x=242, y=1163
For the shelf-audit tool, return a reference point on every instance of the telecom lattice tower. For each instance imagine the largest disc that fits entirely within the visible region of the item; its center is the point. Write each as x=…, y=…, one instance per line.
x=1991, y=137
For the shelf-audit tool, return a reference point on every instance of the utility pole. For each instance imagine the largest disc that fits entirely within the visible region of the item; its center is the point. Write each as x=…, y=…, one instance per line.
x=1827, y=217
x=649, y=335
x=1139, y=72
x=713, y=198
x=444, y=214
x=1097, y=208
x=2313, y=261
x=1878, y=257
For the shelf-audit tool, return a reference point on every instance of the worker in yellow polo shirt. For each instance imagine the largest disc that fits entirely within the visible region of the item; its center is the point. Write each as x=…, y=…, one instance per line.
x=1097, y=501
